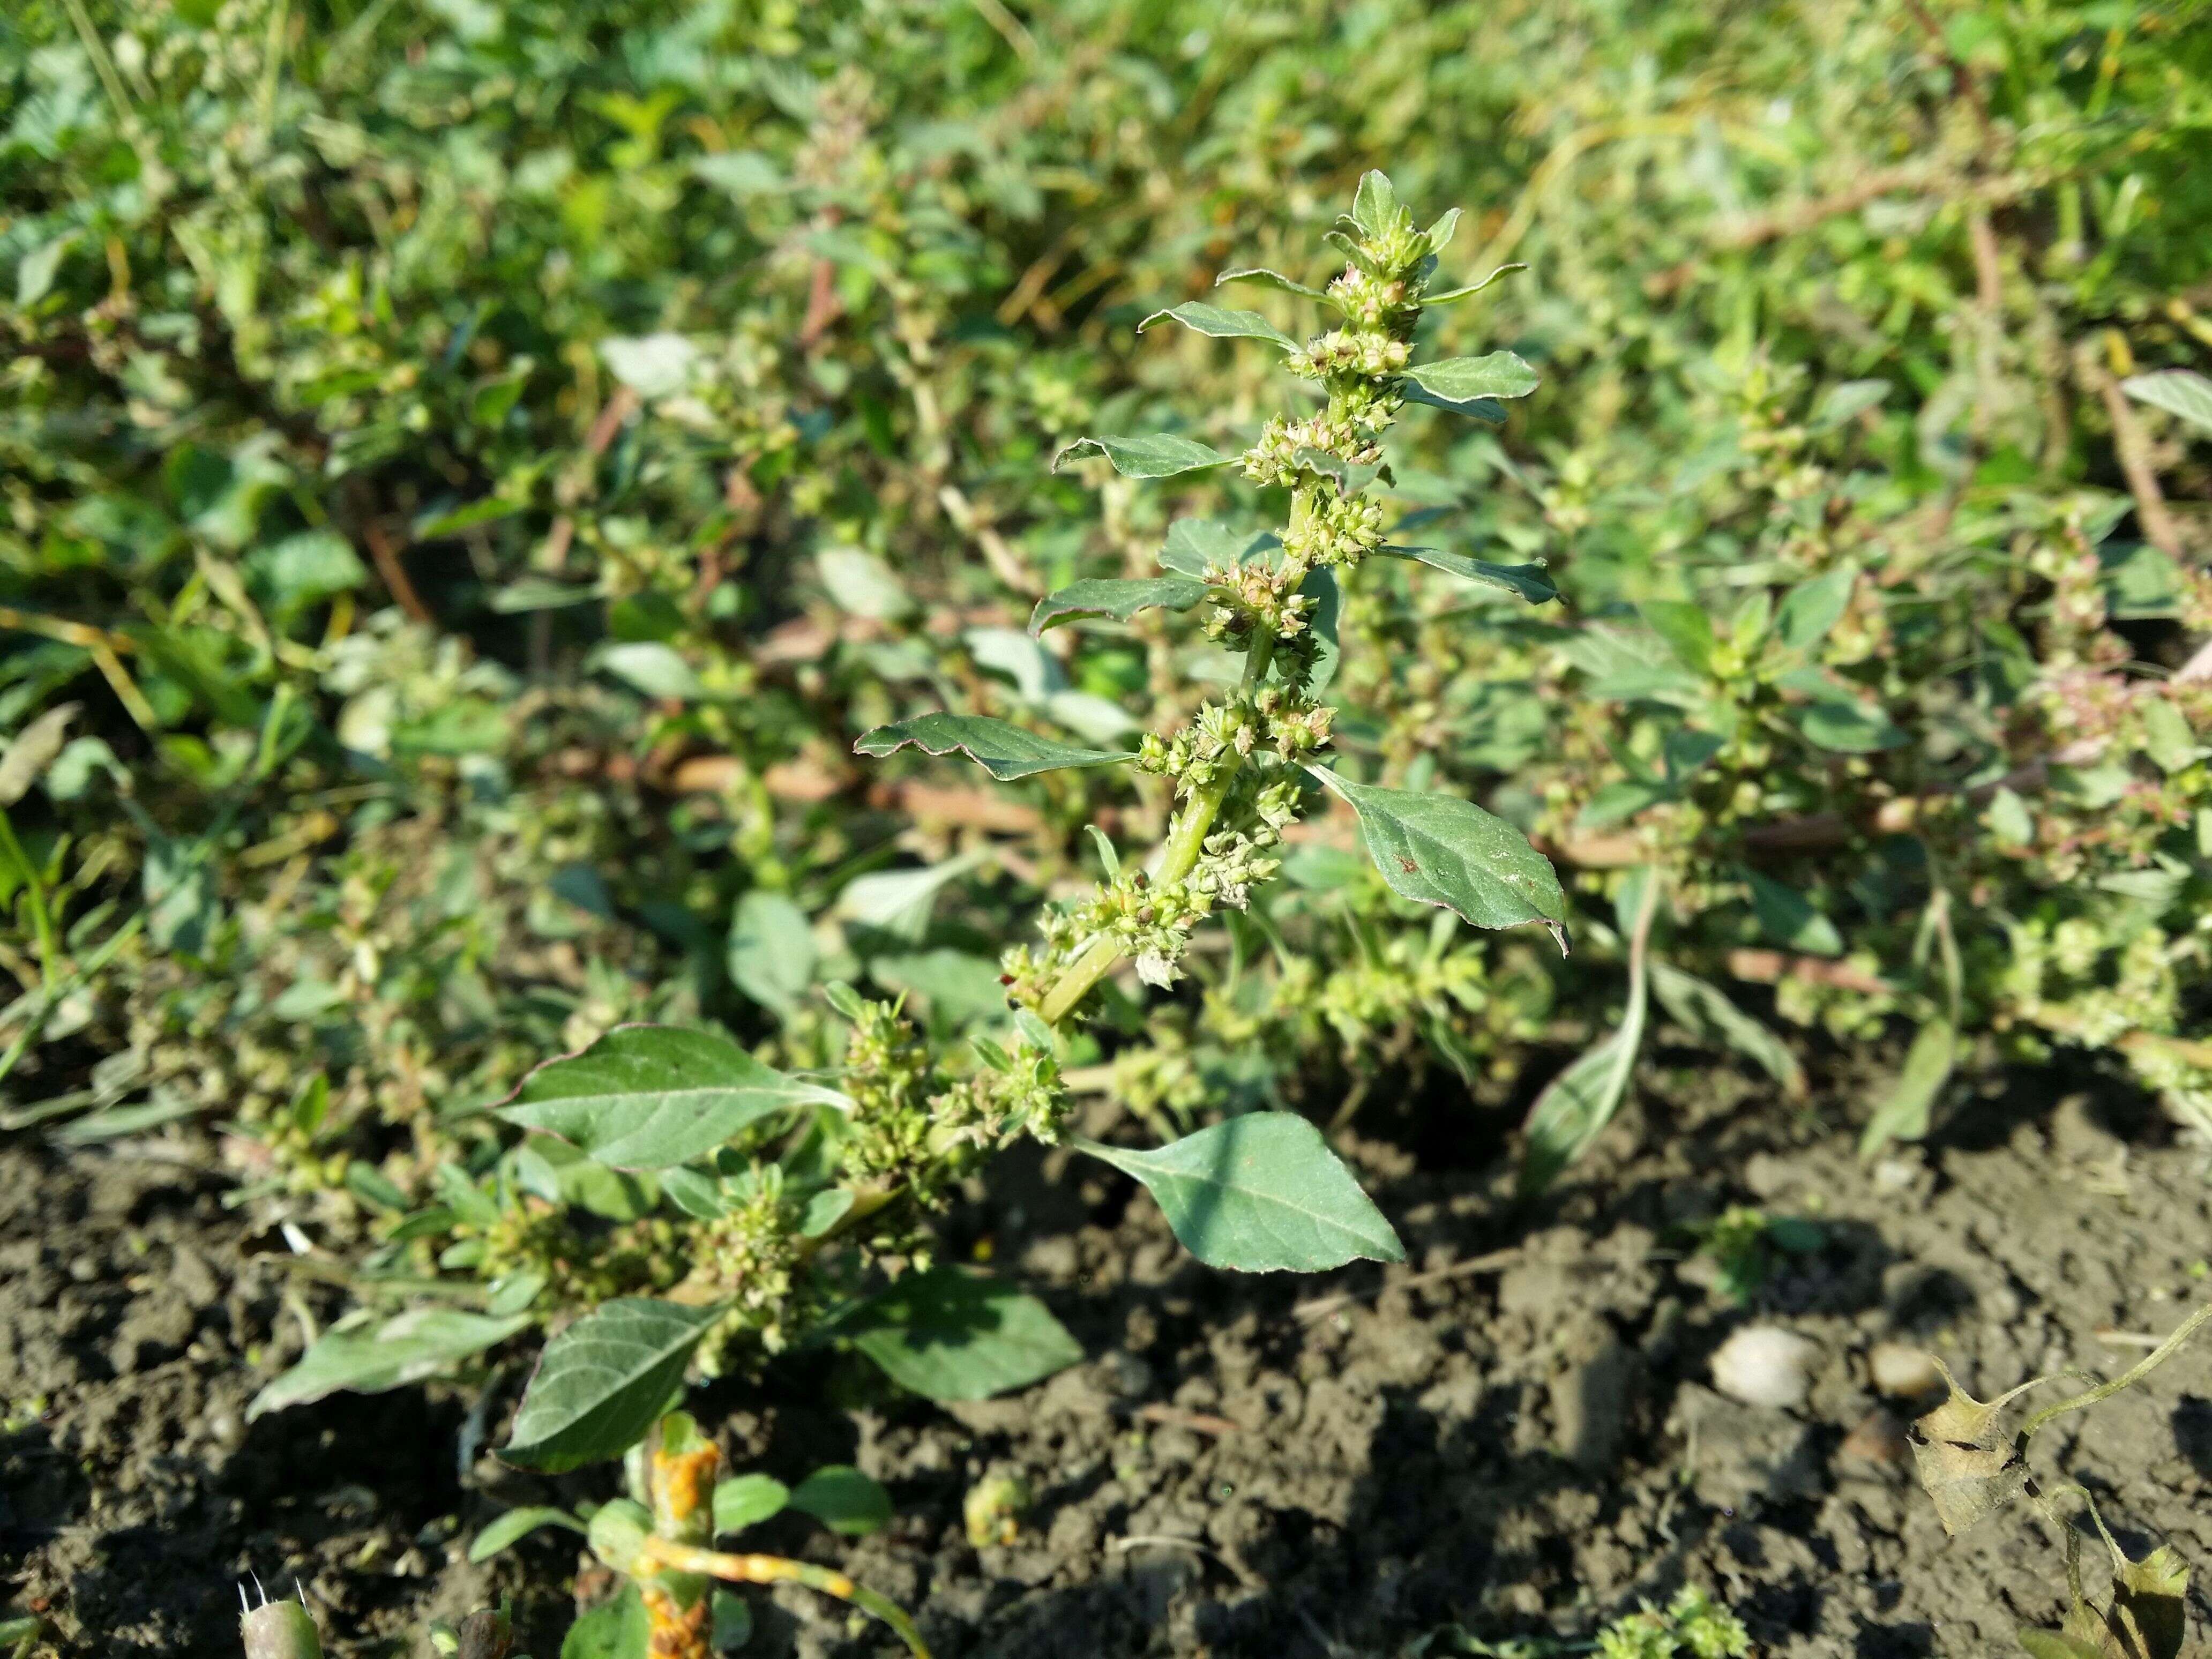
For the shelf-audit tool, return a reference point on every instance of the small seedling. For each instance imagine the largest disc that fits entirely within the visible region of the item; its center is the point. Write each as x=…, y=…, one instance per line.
x=994, y=1510
x=660, y=1541
x=1746, y=1245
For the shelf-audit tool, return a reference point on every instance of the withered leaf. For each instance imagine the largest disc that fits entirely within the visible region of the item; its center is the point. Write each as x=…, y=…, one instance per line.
x=2149, y=1617
x=1970, y=1468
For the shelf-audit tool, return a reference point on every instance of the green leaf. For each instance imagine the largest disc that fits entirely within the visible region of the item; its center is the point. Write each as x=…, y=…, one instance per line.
x=517, y=1524
x=2176, y=390
x=1927, y=1067
x=649, y=666
x=733, y=1621
x=1687, y=629
x=1847, y=727
x=654, y=1097
x=1439, y=849
x=527, y=593
x=1461, y=381
x=1118, y=599
x=602, y=1383
x=947, y=1334
x=489, y=510
x=1529, y=581
x=1374, y=203
x=1576, y=1105
x=1474, y=287
x=2011, y=821
x=1621, y=800
x=1478, y=409
x=1708, y=1014
x=1846, y=401
x=370, y=1359
x=1788, y=917
x=1266, y=278
x=746, y=1500
x=2167, y=739
x=1159, y=455
x=1812, y=609
x=1260, y=1194
x=1217, y=323
x=772, y=955
x=1000, y=748
x=613, y=1629
x=1193, y=545
x=1321, y=586
x=844, y=1500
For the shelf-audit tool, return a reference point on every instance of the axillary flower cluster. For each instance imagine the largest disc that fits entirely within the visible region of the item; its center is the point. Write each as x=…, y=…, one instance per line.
x=1234, y=766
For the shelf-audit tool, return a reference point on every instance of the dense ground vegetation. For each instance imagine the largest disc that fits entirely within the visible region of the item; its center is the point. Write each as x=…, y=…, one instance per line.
x=473, y=472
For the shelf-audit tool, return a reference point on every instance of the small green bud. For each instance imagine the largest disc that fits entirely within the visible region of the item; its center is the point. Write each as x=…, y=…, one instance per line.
x=994, y=1509
x=618, y=1531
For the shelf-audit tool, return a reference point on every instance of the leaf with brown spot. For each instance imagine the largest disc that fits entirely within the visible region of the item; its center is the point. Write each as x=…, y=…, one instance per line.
x=1970, y=1468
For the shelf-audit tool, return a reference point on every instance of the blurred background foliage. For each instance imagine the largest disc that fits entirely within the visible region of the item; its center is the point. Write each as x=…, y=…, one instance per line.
x=471, y=469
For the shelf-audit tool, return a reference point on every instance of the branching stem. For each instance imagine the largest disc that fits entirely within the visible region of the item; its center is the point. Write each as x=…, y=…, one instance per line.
x=780, y=1570
x=2150, y=1363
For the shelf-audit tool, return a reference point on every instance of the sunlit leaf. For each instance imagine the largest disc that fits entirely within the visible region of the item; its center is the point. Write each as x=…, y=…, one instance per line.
x=1260, y=1194
x=654, y=1097
x=1000, y=747
x=1438, y=849
x=1220, y=325
x=1159, y=455
x=604, y=1381
x=947, y=1334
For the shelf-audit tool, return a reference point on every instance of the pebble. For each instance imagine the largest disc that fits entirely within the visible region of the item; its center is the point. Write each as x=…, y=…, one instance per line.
x=1902, y=1372
x=1879, y=1439
x=1767, y=1365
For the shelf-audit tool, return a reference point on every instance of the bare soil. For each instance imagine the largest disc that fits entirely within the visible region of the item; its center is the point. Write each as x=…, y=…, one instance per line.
x=1515, y=1433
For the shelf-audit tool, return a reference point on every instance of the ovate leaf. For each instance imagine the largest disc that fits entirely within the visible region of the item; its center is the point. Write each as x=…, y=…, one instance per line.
x=1160, y=455
x=772, y=954
x=1847, y=727
x=1374, y=203
x=2176, y=390
x=947, y=1334
x=1687, y=629
x=1464, y=380
x=370, y=1358
x=517, y=1524
x=1220, y=325
x=654, y=1097
x=746, y=1500
x=844, y=1500
x=1118, y=599
x=1194, y=543
x=1260, y=1194
x=1438, y=849
x=1846, y=401
x=614, y=1629
x=1812, y=609
x=649, y=666
x=1529, y=581
x=1000, y=747
x=1786, y=916
x=602, y=1382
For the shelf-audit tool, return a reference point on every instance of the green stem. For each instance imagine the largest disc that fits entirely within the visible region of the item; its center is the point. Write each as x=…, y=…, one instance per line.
x=2143, y=1368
